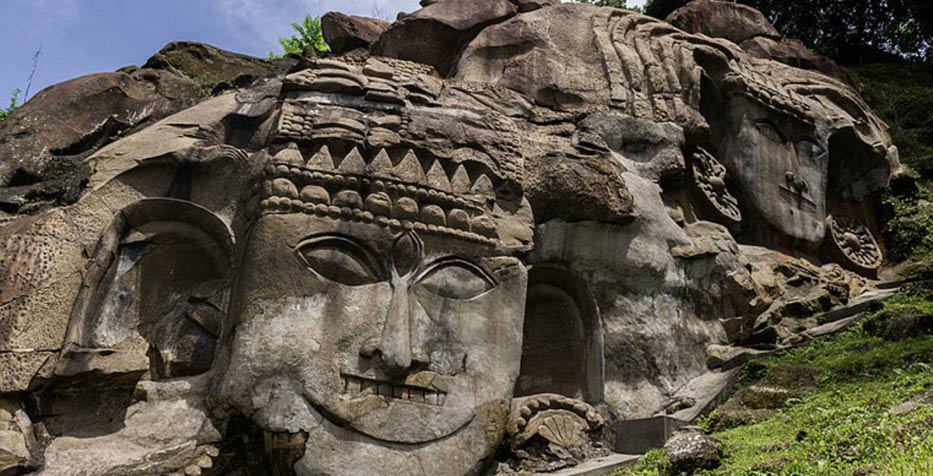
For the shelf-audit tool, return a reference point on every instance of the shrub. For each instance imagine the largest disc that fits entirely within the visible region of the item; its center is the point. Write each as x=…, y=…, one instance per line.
x=14, y=103
x=310, y=38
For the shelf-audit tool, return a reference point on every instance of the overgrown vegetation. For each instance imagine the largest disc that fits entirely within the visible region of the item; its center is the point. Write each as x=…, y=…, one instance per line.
x=902, y=94
x=869, y=411
x=14, y=103
x=848, y=31
x=309, y=39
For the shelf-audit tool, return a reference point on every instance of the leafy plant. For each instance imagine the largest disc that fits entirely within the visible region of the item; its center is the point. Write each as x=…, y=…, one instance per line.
x=14, y=103
x=310, y=36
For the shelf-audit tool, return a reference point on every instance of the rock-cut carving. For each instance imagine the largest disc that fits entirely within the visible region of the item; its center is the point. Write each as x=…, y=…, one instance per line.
x=392, y=269
x=853, y=242
x=547, y=432
x=709, y=179
x=330, y=264
x=558, y=419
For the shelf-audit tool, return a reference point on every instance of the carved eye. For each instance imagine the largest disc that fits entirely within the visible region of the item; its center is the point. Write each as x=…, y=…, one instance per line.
x=456, y=279
x=809, y=149
x=770, y=131
x=341, y=260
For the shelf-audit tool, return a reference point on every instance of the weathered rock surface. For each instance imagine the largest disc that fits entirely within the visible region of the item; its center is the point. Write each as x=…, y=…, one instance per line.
x=690, y=451
x=19, y=450
x=373, y=265
x=719, y=19
x=532, y=5
x=41, y=165
x=347, y=32
x=749, y=29
x=578, y=190
x=436, y=34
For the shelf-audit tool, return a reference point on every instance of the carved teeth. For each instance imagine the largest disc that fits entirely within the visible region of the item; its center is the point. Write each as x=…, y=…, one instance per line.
x=357, y=387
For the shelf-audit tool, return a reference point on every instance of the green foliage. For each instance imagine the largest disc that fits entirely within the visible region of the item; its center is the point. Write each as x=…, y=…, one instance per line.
x=849, y=31
x=652, y=463
x=14, y=103
x=903, y=95
x=846, y=424
x=908, y=231
x=611, y=3
x=310, y=38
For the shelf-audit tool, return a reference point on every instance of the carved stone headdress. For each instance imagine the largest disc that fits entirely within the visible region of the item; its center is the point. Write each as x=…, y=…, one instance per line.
x=367, y=140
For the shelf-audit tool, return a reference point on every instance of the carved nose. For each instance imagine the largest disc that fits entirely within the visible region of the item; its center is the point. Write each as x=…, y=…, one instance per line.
x=394, y=346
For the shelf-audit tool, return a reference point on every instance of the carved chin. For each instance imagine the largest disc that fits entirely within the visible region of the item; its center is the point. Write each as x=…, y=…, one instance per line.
x=419, y=410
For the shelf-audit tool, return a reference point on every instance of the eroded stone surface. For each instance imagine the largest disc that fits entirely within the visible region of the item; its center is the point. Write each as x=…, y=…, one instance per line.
x=357, y=265
x=347, y=32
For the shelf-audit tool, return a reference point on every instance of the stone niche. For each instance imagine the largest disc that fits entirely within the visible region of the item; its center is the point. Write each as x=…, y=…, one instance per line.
x=562, y=346
x=152, y=306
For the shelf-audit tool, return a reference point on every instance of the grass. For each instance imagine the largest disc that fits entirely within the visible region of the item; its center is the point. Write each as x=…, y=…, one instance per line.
x=844, y=424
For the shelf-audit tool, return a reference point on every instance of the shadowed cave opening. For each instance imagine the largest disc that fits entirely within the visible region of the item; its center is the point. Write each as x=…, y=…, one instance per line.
x=562, y=337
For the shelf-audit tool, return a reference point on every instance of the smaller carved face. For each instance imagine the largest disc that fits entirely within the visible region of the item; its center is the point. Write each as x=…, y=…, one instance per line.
x=397, y=336
x=782, y=167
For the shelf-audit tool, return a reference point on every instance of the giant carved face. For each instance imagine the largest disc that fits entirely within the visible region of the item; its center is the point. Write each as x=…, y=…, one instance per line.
x=380, y=338
x=780, y=165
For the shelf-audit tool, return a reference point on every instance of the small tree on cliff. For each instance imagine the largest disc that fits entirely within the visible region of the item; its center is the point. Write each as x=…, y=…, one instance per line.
x=310, y=37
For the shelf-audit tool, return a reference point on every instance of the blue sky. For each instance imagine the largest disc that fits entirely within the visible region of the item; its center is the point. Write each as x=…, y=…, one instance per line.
x=79, y=37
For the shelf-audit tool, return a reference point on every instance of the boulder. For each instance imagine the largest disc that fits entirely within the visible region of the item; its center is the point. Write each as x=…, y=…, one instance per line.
x=732, y=21
x=19, y=451
x=212, y=68
x=793, y=53
x=347, y=32
x=748, y=28
x=436, y=34
x=577, y=190
x=691, y=451
x=40, y=165
x=899, y=323
x=908, y=326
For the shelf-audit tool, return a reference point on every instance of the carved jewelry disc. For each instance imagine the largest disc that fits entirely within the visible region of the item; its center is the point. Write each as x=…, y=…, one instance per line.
x=709, y=179
x=854, y=242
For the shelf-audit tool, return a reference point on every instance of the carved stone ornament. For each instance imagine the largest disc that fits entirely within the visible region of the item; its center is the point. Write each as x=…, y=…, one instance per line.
x=853, y=242
x=709, y=178
x=560, y=420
